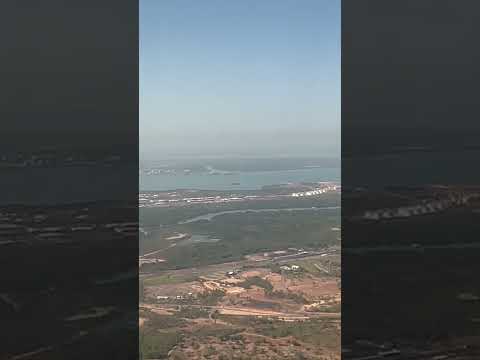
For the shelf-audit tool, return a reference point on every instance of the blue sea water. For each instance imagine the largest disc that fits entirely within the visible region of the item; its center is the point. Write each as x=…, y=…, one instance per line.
x=252, y=180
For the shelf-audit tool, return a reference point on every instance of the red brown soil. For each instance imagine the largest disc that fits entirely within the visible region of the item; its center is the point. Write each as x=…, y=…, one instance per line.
x=311, y=288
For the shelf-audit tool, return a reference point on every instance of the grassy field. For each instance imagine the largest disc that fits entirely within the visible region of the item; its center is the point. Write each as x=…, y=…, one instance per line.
x=233, y=332
x=156, y=345
x=315, y=332
x=319, y=333
x=172, y=215
x=314, y=265
x=164, y=279
x=240, y=234
x=308, y=266
x=158, y=335
x=249, y=233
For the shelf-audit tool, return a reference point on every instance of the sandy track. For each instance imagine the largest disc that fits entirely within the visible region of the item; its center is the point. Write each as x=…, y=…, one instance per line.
x=158, y=309
x=245, y=311
x=248, y=311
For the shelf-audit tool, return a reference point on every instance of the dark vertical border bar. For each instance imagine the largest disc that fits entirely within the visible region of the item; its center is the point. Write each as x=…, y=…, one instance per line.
x=69, y=179
x=410, y=193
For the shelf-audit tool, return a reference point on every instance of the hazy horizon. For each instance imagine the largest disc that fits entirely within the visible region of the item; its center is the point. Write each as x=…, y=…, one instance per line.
x=239, y=78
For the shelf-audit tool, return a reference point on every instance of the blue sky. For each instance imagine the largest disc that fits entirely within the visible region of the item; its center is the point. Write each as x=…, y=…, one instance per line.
x=239, y=77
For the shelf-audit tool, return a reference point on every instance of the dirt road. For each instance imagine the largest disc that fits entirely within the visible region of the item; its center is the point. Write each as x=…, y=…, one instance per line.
x=248, y=311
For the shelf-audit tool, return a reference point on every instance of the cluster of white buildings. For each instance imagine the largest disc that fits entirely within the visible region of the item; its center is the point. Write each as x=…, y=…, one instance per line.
x=161, y=171
x=177, y=297
x=211, y=199
x=421, y=209
x=176, y=199
x=290, y=268
x=317, y=191
x=142, y=261
x=153, y=200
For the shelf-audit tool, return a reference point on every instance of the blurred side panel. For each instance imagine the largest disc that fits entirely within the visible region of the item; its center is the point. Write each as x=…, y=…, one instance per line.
x=410, y=183
x=69, y=179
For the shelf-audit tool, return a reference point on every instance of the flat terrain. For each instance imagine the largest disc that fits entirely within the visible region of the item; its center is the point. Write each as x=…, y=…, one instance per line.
x=172, y=238
x=427, y=261
x=246, y=275
x=45, y=279
x=263, y=310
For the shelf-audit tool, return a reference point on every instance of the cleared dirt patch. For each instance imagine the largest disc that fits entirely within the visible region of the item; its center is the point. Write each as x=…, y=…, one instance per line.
x=172, y=290
x=310, y=287
x=239, y=311
x=253, y=273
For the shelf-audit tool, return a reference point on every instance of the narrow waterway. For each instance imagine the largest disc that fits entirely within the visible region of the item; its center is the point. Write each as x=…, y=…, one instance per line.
x=210, y=216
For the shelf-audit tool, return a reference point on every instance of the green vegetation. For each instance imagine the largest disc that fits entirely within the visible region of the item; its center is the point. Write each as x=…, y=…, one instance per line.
x=156, y=345
x=178, y=355
x=315, y=332
x=167, y=279
x=297, y=297
x=170, y=216
x=308, y=266
x=159, y=334
x=275, y=268
x=223, y=332
x=257, y=281
x=245, y=321
x=268, y=287
x=249, y=233
x=190, y=312
x=333, y=309
x=210, y=298
x=155, y=321
x=240, y=234
x=232, y=337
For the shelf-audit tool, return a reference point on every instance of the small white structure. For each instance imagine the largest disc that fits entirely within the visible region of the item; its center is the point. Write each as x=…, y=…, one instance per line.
x=232, y=273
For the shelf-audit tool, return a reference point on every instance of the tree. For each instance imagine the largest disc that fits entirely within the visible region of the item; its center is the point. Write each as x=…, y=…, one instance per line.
x=215, y=315
x=299, y=356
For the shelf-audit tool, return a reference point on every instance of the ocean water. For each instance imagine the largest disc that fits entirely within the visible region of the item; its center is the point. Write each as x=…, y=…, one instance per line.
x=252, y=180
x=54, y=186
